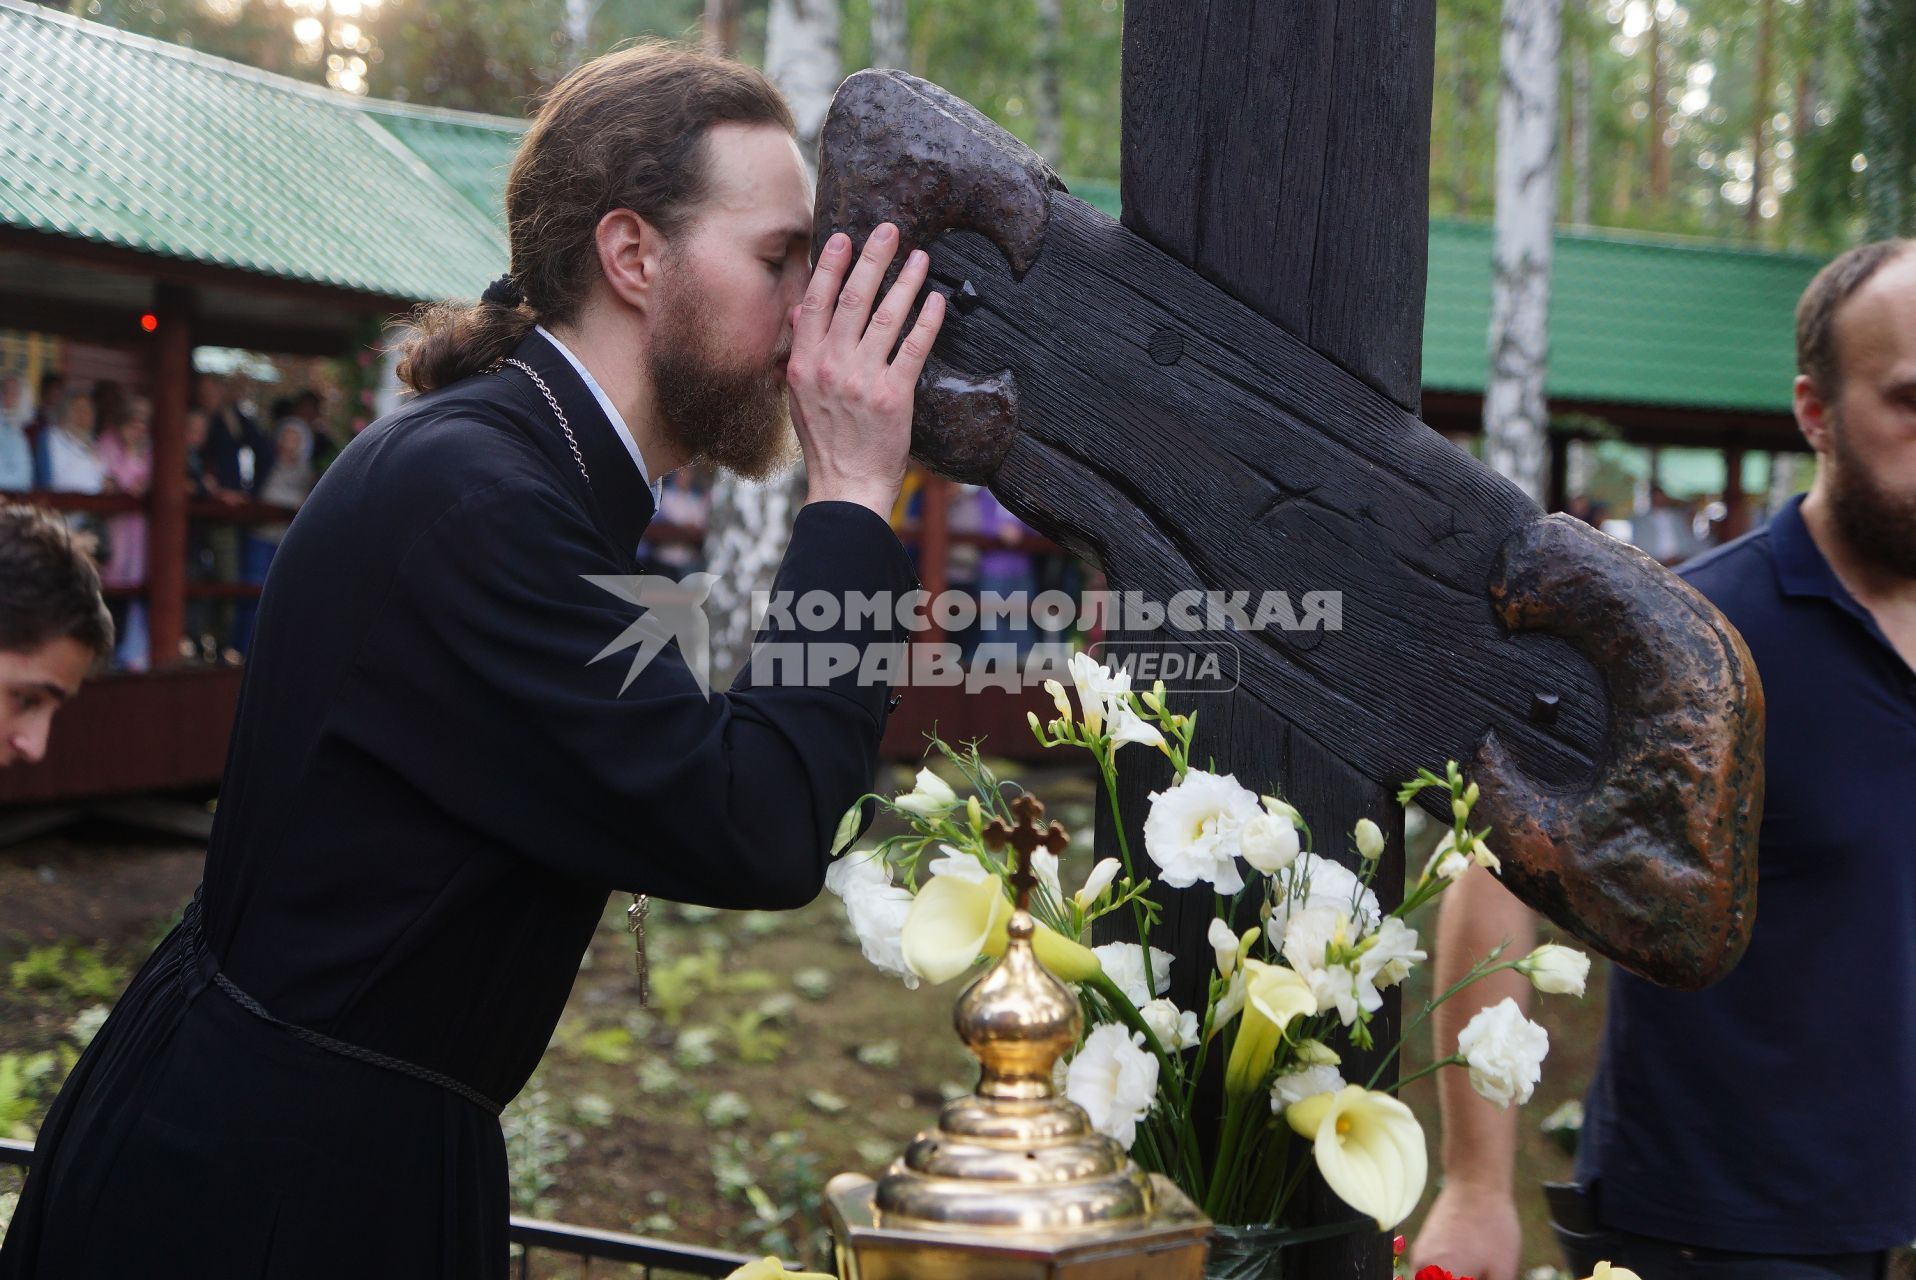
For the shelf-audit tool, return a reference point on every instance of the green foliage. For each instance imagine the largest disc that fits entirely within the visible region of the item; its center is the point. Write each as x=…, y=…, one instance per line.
x=23, y=1077
x=784, y=1185
x=77, y=970
x=753, y=1039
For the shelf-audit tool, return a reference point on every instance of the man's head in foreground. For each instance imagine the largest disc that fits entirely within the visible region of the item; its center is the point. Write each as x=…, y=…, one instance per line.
x=659, y=201
x=1856, y=400
x=53, y=625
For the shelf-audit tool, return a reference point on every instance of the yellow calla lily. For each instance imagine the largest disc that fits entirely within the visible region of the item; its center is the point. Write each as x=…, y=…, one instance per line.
x=1369, y=1147
x=953, y=921
x=1273, y=997
x=773, y=1269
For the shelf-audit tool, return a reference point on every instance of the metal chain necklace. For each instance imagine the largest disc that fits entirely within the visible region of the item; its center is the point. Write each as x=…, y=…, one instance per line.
x=641, y=903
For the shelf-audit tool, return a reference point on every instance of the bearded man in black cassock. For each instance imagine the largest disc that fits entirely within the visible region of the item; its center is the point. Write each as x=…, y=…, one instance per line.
x=432, y=788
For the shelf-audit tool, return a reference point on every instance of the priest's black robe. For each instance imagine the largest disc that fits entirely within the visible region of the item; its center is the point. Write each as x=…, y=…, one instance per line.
x=430, y=792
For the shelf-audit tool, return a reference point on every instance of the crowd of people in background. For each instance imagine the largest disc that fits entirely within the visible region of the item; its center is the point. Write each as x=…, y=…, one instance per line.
x=97, y=439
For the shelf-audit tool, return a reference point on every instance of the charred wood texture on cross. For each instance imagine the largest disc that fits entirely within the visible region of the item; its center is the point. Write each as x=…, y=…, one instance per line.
x=1135, y=412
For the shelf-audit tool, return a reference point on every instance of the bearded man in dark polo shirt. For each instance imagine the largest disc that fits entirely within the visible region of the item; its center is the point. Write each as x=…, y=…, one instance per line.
x=1764, y=1128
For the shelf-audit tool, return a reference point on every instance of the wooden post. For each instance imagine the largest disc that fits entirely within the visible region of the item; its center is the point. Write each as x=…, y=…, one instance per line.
x=172, y=356
x=1736, y=505
x=934, y=549
x=1282, y=151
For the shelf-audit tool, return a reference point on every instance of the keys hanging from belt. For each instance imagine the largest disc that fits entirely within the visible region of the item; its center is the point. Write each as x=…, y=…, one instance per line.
x=635, y=921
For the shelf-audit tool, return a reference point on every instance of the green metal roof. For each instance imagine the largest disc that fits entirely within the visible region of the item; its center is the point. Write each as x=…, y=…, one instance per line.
x=1633, y=319
x=128, y=141
x=471, y=152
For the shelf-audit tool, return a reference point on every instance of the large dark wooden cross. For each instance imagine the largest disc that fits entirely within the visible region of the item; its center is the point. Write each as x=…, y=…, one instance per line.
x=1220, y=393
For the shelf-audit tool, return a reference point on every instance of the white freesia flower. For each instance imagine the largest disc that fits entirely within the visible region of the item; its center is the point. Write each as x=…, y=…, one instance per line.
x=1555, y=970
x=1447, y=861
x=1369, y=1147
x=1315, y=1053
x=1115, y=1081
x=876, y=908
x=1175, y=1028
x=1058, y=699
x=1194, y=830
x=1370, y=840
x=1128, y=726
x=1230, y=1004
x=930, y=796
x=1224, y=943
x=1319, y=946
x=1044, y=865
x=1101, y=691
x=1097, y=882
x=1316, y=881
x=1389, y=953
x=1295, y=1086
x=1269, y=841
x=1505, y=1051
x=1123, y=963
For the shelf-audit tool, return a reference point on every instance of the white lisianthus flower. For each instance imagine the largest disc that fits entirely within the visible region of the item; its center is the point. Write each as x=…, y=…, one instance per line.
x=1555, y=970
x=1097, y=882
x=1123, y=963
x=1295, y=1086
x=1194, y=830
x=1115, y=1081
x=1224, y=943
x=1369, y=1147
x=1269, y=842
x=1175, y=1028
x=876, y=908
x=1316, y=881
x=930, y=796
x=1505, y=1052
x=1388, y=954
x=1370, y=840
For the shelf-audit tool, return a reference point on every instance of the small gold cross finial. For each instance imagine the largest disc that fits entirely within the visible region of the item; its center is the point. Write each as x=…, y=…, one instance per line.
x=1026, y=839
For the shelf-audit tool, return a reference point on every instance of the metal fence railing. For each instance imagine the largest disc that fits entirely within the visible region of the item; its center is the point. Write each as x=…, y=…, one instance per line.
x=655, y=1259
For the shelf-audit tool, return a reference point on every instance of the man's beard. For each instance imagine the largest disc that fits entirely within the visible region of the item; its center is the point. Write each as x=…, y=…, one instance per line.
x=731, y=417
x=1878, y=525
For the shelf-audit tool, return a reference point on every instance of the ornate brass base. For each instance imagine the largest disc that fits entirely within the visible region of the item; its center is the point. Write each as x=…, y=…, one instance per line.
x=1171, y=1244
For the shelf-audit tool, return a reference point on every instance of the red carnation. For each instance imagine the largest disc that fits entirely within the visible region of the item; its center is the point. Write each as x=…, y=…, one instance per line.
x=1434, y=1272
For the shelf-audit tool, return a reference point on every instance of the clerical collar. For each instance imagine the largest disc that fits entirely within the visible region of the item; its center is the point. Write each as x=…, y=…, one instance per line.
x=611, y=412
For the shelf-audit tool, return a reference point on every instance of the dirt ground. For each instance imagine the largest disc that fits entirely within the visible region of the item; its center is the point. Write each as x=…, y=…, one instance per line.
x=772, y=1056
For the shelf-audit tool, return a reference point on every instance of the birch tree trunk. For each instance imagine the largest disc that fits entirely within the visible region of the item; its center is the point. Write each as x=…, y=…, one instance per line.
x=1659, y=154
x=578, y=29
x=1580, y=120
x=1515, y=418
x=750, y=522
x=720, y=27
x=1885, y=40
x=1048, y=100
x=891, y=29
x=1760, y=91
